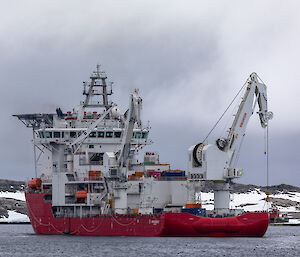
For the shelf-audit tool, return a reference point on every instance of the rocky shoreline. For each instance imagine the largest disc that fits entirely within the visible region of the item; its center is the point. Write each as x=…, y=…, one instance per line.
x=9, y=204
x=11, y=185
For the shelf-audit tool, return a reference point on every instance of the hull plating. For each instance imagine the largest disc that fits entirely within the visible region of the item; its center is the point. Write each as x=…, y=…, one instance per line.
x=253, y=224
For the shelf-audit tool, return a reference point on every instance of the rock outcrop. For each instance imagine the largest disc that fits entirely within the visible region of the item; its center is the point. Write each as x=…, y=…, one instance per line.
x=8, y=204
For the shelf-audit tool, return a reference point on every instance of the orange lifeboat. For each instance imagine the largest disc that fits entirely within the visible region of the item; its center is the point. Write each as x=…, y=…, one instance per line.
x=81, y=194
x=35, y=183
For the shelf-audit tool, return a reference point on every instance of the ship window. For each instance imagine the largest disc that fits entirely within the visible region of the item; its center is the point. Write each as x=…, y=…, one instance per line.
x=100, y=134
x=41, y=134
x=48, y=134
x=144, y=135
x=56, y=134
x=48, y=198
x=92, y=134
x=72, y=134
x=118, y=134
x=62, y=134
x=109, y=134
x=138, y=135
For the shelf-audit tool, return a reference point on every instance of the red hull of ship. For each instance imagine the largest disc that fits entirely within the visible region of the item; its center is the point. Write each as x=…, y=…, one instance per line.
x=253, y=224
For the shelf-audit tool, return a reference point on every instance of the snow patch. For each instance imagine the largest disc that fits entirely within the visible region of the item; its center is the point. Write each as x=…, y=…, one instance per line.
x=15, y=217
x=252, y=201
x=17, y=195
x=294, y=221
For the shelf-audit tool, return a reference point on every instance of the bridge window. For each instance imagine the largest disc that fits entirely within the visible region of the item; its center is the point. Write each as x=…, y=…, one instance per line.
x=92, y=134
x=56, y=134
x=48, y=134
x=109, y=134
x=144, y=135
x=100, y=134
x=118, y=134
x=41, y=134
x=72, y=134
x=138, y=135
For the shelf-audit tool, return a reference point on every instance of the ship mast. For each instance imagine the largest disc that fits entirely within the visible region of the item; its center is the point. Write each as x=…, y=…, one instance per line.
x=97, y=87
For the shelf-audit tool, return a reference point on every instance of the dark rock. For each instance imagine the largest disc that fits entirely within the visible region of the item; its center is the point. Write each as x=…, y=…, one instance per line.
x=11, y=185
x=9, y=204
x=283, y=202
x=244, y=188
x=3, y=212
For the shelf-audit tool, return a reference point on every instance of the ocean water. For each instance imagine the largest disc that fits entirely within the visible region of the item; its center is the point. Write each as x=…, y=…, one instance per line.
x=20, y=241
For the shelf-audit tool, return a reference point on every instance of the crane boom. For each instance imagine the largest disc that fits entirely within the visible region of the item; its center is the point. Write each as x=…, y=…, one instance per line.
x=133, y=116
x=116, y=163
x=256, y=90
x=215, y=161
x=246, y=108
x=75, y=145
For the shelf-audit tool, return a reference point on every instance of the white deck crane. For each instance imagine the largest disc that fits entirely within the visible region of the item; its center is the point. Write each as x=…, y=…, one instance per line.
x=216, y=162
x=133, y=116
x=116, y=164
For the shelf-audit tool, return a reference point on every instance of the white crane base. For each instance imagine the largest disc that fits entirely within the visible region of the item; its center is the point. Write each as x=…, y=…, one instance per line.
x=221, y=198
x=120, y=200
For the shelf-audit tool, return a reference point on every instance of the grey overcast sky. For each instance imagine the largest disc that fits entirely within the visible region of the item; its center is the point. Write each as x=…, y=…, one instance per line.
x=188, y=58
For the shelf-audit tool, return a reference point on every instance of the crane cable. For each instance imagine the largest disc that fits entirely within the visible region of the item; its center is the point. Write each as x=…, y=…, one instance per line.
x=267, y=160
x=225, y=111
x=266, y=152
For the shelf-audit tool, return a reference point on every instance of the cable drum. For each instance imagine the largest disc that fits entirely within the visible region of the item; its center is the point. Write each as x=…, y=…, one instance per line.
x=197, y=154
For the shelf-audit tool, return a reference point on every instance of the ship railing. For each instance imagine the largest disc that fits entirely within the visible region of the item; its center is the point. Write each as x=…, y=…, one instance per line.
x=46, y=179
x=133, y=178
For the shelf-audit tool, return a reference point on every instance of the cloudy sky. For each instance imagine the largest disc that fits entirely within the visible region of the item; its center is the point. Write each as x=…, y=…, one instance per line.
x=187, y=58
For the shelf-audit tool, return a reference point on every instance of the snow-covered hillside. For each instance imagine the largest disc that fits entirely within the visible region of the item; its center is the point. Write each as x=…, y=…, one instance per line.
x=13, y=195
x=255, y=201
x=287, y=203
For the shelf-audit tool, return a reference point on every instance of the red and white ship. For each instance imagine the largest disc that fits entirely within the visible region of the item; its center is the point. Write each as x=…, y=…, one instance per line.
x=91, y=182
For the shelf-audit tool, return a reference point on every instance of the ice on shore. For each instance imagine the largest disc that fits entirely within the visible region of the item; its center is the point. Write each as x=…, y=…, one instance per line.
x=15, y=217
x=14, y=195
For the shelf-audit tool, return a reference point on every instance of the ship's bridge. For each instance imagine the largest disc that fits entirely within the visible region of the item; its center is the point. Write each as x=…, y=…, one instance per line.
x=113, y=135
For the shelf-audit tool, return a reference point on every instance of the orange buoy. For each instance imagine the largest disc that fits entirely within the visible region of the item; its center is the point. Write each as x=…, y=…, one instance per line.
x=35, y=183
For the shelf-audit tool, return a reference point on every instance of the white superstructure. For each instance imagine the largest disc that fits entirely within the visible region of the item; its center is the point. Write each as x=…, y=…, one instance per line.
x=89, y=157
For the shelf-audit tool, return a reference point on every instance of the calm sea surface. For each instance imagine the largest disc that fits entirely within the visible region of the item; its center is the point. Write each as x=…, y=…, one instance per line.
x=19, y=240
